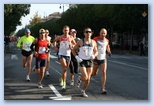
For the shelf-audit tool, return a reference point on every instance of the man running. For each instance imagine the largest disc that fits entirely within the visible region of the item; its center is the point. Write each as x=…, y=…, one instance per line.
x=41, y=51
x=87, y=52
x=25, y=44
x=48, y=38
x=64, y=54
x=73, y=63
x=103, y=46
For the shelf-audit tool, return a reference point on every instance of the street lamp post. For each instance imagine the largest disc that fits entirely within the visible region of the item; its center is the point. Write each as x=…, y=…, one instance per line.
x=62, y=7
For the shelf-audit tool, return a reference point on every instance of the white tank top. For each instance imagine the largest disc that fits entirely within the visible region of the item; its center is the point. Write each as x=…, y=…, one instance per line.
x=101, y=45
x=86, y=51
x=64, y=47
x=48, y=38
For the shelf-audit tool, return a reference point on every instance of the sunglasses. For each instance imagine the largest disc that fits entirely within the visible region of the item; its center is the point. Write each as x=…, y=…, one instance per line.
x=46, y=32
x=42, y=32
x=88, y=31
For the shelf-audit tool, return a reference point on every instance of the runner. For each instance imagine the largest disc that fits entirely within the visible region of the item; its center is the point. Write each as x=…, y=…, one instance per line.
x=87, y=52
x=48, y=38
x=41, y=56
x=73, y=63
x=25, y=43
x=103, y=46
x=64, y=54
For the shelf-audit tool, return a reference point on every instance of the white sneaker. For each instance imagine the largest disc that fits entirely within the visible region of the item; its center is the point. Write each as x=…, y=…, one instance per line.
x=72, y=83
x=47, y=73
x=27, y=78
x=40, y=86
x=84, y=94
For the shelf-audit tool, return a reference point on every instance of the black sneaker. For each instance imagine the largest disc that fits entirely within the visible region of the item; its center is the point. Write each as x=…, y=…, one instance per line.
x=104, y=91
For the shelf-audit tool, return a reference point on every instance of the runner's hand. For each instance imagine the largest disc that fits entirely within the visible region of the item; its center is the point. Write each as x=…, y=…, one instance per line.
x=110, y=54
x=78, y=59
x=92, y=57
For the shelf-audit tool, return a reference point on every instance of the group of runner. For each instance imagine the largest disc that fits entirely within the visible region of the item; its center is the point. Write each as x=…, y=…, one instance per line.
x=39, y=48
x=85, y=54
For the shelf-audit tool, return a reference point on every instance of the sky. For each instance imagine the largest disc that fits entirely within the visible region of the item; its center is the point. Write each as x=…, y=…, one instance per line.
x=43, y=10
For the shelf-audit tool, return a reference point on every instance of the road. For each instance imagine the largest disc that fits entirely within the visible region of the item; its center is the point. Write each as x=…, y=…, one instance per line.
x=127, y=79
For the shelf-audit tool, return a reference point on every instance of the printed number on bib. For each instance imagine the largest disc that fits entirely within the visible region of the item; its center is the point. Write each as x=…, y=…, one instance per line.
x=26, y=47
x=100, y=49
x=87, y=50
x=64, y=45
x=42, y=50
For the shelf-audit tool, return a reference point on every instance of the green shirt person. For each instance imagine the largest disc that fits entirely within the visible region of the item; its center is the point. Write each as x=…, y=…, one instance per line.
x=25, y=43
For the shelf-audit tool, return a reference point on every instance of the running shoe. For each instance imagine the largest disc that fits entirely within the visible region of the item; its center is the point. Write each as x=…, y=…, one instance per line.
x=78, y=82
x=84, y=94
x=27, y=78
x=72, y=83
x=47, y=73
x=104, y=91
x=40, y=86
x=64, y=88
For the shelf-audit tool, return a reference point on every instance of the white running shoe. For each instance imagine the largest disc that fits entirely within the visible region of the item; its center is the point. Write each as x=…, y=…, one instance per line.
x=40, y=86
x=47, y=73
x=27, y=78
x=72, y=83
x=84, y=94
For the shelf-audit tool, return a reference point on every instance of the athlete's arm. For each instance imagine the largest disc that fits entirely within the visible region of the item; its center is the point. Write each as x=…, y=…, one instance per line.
x=76, y=47
x=95, y=48
x=55, y=43
x=73, y=41
x=19, y=43
x=108, y=49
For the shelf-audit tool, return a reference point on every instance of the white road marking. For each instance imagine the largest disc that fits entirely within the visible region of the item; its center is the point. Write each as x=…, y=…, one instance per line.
x=128, y=65
x=57, y=62
x=52, y=56
x=55, y=90
x=59, y=96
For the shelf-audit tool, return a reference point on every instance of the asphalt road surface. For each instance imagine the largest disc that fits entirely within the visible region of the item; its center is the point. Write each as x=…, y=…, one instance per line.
x=127, y=79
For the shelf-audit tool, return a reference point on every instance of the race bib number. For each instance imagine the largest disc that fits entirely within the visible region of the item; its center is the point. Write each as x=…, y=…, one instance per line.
x=26, y=46
x=64, y=45
x=87, y=50
x=42, y=50
x=100, y=50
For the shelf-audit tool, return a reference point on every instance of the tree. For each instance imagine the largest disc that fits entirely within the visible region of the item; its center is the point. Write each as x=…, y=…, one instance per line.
x=12, y=16
x=35, y=20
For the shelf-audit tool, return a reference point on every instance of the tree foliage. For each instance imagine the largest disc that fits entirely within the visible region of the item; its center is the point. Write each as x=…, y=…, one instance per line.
x=12, y=16
x=120, y=18
x=35, y=20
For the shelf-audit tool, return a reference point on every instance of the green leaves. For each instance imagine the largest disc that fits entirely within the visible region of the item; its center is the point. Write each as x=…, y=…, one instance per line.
x=12, y=16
